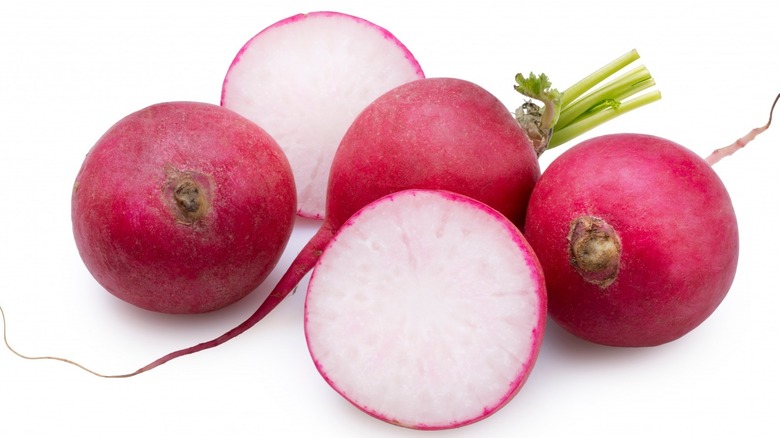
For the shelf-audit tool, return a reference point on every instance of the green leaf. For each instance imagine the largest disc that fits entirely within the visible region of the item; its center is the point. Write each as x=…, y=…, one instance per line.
x=540, y=88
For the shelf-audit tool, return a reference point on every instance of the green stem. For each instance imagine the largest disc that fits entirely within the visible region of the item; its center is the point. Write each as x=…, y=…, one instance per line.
x=597, y=77
x=585, y=124
x=586, y=104
x=616, y=90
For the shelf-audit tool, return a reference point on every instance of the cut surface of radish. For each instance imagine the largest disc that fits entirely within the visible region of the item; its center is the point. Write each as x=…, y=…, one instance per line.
x=427, y=310
x=305, y=78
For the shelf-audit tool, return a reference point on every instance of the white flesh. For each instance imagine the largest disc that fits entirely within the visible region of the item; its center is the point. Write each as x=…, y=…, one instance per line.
x=305, y=79
x=426, y=310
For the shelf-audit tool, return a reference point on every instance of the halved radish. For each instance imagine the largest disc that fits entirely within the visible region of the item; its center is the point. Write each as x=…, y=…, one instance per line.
x=426, y=310
x=304, y=79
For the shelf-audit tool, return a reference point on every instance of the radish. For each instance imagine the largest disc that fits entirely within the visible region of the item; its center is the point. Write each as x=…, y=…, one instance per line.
x=183, y=207
x=637, y=236
x=322, y=66
x=426, y=310
x=450, y=134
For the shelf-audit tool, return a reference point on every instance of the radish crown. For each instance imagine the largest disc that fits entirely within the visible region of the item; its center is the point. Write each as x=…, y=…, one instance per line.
x=538, y=122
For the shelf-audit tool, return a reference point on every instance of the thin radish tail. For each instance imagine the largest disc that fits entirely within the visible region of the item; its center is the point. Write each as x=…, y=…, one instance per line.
x=303, y=263
x=724, y=152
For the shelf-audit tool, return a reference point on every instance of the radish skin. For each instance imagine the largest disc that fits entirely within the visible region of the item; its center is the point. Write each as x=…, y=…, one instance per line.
x=637, y=235
x=657, y=234
x=183, y=207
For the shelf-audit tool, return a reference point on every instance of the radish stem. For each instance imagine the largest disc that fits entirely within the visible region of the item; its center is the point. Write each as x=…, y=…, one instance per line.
x=624, y=86
x=584, y=124
x=582, y=106
x=597, y=77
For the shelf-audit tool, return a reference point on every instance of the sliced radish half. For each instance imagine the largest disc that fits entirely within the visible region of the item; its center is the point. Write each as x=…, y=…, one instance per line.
x=427, y=310
x=304, y=79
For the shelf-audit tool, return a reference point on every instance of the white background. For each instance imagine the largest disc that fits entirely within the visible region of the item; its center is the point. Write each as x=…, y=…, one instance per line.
x=70, y=69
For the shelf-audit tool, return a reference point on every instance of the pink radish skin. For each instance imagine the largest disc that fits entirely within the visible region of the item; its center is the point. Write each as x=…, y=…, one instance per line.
x=183, y=207
x=395, y=293
x=435, y=134
x=323, y=68
x=638, y=239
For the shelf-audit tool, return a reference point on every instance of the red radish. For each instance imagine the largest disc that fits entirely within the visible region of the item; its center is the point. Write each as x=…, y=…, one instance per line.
x=324, y=67
x=426, y=310
x=642, y=248
x=436, y=133
x=637, y=236
x=183, y=207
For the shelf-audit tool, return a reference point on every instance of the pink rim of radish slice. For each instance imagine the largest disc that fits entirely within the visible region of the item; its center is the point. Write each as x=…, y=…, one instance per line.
x=304, y=79
x=426, y=310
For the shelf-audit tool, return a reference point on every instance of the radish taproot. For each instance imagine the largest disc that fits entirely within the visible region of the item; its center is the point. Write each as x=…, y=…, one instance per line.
x=324, y=66
x=390, y=318
x=183, y=207
x=637, y=237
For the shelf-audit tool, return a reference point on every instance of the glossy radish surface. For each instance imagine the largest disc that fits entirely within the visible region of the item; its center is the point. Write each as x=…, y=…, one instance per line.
x=426, y=310
x=305, y=78
x=183, y=207
x=434, y=133
x=638, y=239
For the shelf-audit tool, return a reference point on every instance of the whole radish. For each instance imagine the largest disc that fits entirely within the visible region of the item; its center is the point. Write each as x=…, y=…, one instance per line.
x=305, y=78
x=436, y=133
x=395, y=293
x=183, y=207
x=637, y=237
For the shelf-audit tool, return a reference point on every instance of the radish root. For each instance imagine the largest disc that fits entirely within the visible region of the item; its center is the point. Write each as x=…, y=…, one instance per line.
x=60, y=359
x=724, y=152
x=303, y=263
